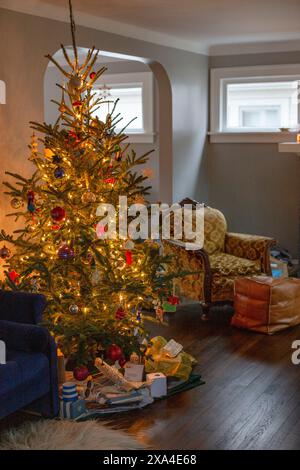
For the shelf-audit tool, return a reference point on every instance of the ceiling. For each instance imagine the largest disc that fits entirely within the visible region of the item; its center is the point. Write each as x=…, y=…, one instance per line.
x=190, y=24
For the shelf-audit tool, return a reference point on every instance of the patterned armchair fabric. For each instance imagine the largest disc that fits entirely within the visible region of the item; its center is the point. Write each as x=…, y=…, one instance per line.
x=225, y=257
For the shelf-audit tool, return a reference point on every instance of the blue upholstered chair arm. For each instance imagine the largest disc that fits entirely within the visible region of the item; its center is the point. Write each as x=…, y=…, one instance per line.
x=21, y=307
x=24, y=337
x=20, y=314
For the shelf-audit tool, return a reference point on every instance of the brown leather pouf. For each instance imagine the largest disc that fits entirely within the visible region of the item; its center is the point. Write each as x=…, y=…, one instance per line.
x=266, y=304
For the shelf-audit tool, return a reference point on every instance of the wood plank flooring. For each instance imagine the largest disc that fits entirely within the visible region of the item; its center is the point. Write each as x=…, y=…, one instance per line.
x=251, y=399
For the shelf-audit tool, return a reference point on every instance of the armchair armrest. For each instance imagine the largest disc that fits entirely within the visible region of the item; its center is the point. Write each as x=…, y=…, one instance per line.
x=24, y=337
x=191, y=260
x=21, y=307
x=252, y=247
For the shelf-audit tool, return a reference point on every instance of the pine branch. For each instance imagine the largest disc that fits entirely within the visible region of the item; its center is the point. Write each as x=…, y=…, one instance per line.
x=68, y=60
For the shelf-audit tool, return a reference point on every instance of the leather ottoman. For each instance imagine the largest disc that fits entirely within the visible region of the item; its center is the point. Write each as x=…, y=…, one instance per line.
x=265, y=304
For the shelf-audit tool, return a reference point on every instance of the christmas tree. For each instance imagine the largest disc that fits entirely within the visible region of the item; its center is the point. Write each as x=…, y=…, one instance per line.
x=95, y=287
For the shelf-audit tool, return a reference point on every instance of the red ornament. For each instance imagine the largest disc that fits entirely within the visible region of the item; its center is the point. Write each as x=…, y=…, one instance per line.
x=30, y=202
x=58, y=214
x=55, y=227
x=30, y=196
x=100, y=230
x=122, y=361
x=77, y=104
x=114, y=352
x=110, y=180
x=72, y=135
x=128, y=256
x=14, y=276
x=120, y=313
x=174, y=300
x=81, y=373
x=92, y=75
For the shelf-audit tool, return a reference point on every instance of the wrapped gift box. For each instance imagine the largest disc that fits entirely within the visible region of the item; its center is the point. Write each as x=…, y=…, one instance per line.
x=72, y=410
x=157, y=360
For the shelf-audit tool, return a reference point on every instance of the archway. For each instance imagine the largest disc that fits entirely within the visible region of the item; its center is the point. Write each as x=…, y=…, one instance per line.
x=161, y=159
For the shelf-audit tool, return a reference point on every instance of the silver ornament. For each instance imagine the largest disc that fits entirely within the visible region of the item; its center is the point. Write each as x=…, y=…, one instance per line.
x=129, y=245
x=35, y=285
x=96, y=277
x=75, y=83
x=73, y=309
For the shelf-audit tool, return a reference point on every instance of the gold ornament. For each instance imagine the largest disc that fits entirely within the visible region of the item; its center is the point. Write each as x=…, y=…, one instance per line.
x=33, y=147
x=48, y=153
x=139, y=199
x=148, y=173
x=88, y=197
x=62, y=107
x=134, y=358
x=16, y=203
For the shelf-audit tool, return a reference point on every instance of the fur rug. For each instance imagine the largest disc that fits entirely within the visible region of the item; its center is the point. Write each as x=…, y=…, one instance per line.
x=66, y=435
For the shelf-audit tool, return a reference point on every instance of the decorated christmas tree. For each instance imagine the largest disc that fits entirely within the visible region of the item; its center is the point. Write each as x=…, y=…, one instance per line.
x=95, y=287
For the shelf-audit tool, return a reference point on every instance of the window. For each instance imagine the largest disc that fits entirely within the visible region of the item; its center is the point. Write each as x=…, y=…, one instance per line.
x=253, y=103
x=264, y=105
x=135, y=105
x=130, y=106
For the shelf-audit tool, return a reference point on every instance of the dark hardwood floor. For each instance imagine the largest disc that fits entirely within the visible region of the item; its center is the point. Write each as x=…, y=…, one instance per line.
x=251, y=399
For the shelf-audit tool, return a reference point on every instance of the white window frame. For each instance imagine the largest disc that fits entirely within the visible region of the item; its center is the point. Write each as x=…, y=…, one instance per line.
x=220, y=77
x=2, y=92
x=146, y=79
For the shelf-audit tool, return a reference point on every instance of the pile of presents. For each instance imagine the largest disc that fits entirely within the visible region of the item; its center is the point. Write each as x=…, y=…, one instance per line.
x=166, y=369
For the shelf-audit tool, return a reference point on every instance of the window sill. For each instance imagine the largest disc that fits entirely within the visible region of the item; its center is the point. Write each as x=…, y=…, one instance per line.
x=289, y=147
x=251, y=137
x=140, y=138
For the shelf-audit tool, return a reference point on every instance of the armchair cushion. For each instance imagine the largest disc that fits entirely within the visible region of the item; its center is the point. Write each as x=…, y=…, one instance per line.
x=229, y=265
x=215, y=228
x=23, y=337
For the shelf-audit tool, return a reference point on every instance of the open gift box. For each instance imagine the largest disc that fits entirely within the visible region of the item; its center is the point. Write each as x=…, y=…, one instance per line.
x=158, y=360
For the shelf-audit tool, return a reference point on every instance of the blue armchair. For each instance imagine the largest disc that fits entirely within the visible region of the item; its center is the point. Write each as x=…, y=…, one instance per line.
x=29, y=377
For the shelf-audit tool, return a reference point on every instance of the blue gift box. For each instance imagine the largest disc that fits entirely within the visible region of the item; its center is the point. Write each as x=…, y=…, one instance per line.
x=73, y=409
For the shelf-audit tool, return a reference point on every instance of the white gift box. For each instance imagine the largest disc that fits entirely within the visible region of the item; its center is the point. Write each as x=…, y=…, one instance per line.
x=134, y=372
x=157, y=383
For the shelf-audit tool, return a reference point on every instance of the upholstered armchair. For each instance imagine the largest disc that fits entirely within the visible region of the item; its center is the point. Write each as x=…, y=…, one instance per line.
x=224, y=257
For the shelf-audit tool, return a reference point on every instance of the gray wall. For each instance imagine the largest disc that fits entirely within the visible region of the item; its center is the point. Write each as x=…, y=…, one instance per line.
x=255, y=186
x=25, y=39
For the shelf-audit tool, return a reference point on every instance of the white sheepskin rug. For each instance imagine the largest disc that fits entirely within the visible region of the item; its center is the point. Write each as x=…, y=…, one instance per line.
x=66, y=435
